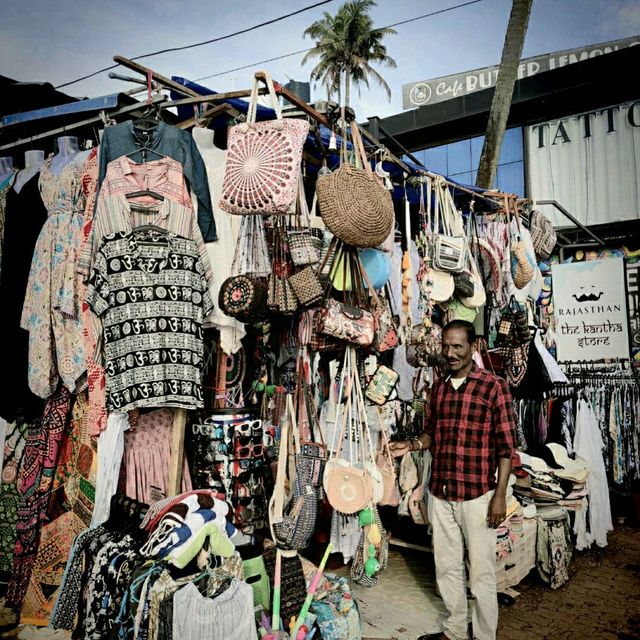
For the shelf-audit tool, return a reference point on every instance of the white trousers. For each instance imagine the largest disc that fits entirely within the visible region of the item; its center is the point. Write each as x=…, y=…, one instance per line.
x=456, y=524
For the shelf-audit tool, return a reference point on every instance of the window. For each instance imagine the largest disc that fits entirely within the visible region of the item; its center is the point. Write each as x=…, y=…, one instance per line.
x=459, y=161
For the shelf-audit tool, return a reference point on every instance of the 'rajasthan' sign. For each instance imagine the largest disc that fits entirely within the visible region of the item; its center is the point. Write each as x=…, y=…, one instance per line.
x=590, y=310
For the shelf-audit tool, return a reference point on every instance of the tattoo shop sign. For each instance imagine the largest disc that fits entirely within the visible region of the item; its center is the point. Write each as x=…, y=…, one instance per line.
x=590, y=308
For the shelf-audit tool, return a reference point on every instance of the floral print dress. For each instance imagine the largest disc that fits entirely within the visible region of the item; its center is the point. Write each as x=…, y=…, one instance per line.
x=51, y=312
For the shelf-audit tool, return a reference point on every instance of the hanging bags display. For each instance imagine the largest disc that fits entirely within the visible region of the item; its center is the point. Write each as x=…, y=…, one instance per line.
x=305, y=241
x=450, y=246
x=349, y=484
x=293, y=519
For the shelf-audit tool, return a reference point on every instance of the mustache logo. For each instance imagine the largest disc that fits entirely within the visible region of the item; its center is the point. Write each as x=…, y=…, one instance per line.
x=588, y=297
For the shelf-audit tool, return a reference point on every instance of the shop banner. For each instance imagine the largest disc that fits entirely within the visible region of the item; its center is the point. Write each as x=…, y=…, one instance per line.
x=588, y=163
x=590, y=309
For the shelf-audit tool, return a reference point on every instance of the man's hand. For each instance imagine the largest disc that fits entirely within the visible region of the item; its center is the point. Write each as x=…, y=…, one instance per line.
x=398, y=449
x=497, y=510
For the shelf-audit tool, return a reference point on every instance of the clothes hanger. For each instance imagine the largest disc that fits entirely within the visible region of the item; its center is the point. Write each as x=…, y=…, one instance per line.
x=144, y=192
x=149, y=120
x=143, y=150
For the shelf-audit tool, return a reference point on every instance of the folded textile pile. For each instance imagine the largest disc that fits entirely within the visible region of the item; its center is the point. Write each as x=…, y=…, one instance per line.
x=549, y=480
x=185, y=526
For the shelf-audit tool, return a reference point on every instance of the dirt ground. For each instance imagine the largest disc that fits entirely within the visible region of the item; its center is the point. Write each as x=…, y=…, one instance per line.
x=601, y=600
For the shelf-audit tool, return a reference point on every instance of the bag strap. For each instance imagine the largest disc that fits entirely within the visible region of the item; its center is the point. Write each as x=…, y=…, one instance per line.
x=281, y=475
x=359, y=148
x=385, y=438
x=365, y=276
x=363, y=421
x=253, y=100
x=302, y=203
x=315, y=221
x=437, y=193
x=336, y=447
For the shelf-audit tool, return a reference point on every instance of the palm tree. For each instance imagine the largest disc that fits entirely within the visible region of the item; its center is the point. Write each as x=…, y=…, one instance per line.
x=347, y=46
x=503, y=92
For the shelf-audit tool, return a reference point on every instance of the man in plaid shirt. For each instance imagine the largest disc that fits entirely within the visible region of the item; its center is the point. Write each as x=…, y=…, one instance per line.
x=470, y=432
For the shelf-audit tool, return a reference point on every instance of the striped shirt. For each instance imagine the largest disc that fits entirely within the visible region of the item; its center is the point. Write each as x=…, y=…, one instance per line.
x=115, y=212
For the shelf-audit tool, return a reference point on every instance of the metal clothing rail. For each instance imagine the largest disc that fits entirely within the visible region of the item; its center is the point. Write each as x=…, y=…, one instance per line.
x=76, y=125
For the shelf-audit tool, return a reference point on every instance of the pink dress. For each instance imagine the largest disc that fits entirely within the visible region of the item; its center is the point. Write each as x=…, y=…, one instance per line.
x=147, y=452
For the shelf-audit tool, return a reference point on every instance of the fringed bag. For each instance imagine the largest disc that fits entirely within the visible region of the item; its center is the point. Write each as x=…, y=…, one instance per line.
x=263, y=160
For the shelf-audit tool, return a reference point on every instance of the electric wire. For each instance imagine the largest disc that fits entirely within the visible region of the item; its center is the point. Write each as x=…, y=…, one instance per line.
x=200, y=44
x=295, y=53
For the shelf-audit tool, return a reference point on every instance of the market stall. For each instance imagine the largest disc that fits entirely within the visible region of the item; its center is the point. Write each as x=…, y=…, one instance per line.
x=211, y=350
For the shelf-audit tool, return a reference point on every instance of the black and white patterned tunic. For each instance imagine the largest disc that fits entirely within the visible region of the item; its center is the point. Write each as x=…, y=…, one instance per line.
x=149, y=287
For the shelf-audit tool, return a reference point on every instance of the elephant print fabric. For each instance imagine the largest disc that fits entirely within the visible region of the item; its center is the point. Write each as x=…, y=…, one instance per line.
x=148, y=286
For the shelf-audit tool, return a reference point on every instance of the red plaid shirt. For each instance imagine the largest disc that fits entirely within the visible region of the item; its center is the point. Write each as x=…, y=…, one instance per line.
x=470, y=428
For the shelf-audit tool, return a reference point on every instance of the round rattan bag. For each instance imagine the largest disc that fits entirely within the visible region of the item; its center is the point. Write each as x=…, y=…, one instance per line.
x=355, y=206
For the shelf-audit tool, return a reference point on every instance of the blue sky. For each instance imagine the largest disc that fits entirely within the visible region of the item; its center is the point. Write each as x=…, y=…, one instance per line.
x=62, y=40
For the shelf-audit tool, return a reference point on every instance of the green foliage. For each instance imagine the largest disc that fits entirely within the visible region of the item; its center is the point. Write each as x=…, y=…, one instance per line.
x=346, y=46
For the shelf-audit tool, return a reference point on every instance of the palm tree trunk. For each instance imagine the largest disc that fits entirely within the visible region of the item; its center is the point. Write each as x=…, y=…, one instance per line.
x=347, y=87
x=503, y=93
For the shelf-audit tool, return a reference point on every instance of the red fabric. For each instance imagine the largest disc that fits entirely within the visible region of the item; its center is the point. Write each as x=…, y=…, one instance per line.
x=471, y=428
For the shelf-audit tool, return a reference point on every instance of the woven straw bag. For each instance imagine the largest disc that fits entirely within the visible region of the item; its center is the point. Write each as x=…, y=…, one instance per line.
x=263, y=160
x=307, y=287
x=356, y=208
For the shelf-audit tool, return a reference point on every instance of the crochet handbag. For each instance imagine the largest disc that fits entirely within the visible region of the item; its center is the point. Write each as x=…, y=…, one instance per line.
x=243, y=295
x=372, y=553
x=263, y=160
x=513, y=328
x=543, y=235
x=522, y=265
x=305, y=241
x=307, y=287
x=280, y=296
x=354, y=205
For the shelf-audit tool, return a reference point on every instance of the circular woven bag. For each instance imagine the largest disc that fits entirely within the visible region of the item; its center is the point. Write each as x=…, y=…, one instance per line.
x=243, y=297
x=356, y=208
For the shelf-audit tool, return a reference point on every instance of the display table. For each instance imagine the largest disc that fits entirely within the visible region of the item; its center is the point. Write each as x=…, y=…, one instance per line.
x=513, y=567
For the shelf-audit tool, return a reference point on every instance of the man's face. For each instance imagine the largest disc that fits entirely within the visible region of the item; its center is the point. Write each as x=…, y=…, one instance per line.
x=457, y=350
